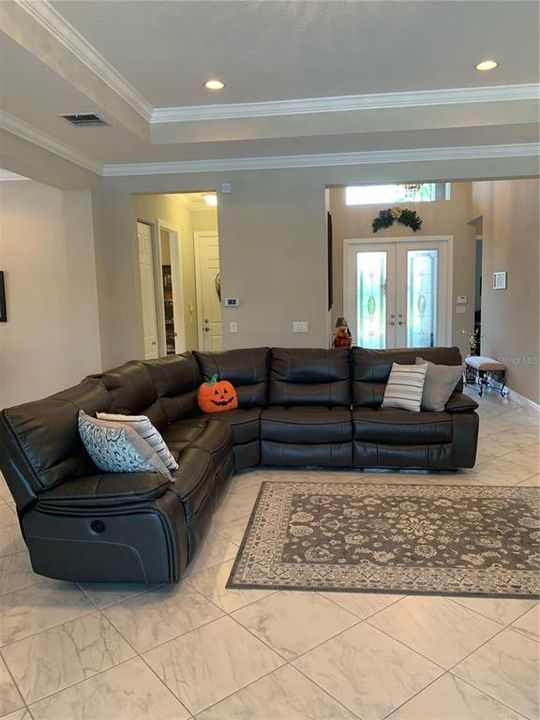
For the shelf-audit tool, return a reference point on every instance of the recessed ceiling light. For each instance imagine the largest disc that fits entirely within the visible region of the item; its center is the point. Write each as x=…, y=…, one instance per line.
x=214, y=85
x=210, y=200
x=486, y=65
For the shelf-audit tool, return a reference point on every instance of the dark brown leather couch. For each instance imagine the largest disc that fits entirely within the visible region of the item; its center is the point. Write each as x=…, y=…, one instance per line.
x=296, y=407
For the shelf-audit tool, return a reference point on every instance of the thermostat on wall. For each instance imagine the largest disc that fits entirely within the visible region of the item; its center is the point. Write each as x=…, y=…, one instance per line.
x=499, y=280
x=232, y=302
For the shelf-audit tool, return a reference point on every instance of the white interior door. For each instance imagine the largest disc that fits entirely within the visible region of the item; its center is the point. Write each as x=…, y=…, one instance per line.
x=208, y=302
x=396, y=292
x=148, y=290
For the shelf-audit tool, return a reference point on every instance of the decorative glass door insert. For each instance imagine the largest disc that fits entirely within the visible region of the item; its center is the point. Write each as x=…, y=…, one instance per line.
x=395, y=293
x=422, y=276
x=371, y=299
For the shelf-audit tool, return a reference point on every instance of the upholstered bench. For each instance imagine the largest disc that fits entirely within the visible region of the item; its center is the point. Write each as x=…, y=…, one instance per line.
x=481, y=370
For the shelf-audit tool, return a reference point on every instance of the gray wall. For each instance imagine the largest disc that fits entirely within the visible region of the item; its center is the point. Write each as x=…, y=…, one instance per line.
x=272, y=239
x=510, y=317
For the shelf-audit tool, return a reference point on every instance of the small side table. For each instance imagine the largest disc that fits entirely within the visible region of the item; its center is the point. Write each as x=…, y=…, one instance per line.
x=485, y=370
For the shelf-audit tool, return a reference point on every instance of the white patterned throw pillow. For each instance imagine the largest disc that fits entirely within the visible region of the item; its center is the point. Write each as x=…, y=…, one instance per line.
x=117, y=448
x=405, y=387
x=142, y=425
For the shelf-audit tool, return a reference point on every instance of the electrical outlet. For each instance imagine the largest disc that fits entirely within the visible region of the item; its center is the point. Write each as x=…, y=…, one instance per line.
x=299, y=326
x=233, y=327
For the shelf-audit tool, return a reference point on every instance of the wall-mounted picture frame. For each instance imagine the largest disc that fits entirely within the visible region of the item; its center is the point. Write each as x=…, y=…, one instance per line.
x=3, y=309
x=499, y=280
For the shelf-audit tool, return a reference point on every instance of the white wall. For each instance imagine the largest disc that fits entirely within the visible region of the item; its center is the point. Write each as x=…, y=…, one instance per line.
x=51, y=339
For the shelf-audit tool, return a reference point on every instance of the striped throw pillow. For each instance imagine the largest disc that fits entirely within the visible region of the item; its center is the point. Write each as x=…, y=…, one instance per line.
x=142, y=425
x=405, y=387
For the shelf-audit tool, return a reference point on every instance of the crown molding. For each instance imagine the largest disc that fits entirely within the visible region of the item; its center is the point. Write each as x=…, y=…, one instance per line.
x=331, y=159
x=23, y=130
x=342, y=103
x=59, y=28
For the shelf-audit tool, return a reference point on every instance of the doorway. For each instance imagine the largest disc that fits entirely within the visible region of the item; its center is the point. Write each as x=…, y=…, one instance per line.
x=179, y=272
x=396, y=291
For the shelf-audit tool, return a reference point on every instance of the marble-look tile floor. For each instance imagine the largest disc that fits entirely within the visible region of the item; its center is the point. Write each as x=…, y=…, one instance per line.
x=198, y=650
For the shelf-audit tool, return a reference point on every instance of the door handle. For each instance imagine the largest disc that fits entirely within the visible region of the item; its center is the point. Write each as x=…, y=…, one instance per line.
x=206, y=329
x=400, y=322
x=391, y=322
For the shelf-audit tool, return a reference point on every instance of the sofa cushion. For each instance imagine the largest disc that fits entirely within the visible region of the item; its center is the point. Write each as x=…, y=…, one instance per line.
x=459, y=403
x=105, y=490
x=46, y=431
x=244, y=423
x=309, y=424
x=200, y=432
x=176, y=379
x=371, y=369
x=247, y=370
x=130, y=387
x=401, y=427
x=304, y=376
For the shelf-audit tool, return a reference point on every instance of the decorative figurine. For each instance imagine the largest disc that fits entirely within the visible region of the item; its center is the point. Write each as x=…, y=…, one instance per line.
x=342, y=337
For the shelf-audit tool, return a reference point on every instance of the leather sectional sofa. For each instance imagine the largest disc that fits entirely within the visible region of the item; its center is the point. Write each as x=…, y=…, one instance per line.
x=296, y=407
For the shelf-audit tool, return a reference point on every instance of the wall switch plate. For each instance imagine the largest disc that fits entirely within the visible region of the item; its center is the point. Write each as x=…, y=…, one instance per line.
x=461, y=309
x=225, y=188
x=499, y=280
x=299, y=326
x=461, y=299
x=233, y=327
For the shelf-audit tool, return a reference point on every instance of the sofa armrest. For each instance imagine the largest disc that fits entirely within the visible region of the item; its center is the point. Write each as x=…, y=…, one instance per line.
x=458, y=403
x=105, y=490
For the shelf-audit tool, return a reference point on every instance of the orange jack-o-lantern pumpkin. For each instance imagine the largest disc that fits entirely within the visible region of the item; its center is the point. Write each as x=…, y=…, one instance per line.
x=217, y=396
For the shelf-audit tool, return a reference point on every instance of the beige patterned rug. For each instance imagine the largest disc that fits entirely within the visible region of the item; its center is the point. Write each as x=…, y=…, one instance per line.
x=405, y=539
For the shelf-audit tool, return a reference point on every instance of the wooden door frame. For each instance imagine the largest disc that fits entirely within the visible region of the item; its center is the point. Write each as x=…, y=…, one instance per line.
x=348, y=292
x=177, y=282
x=151, y=226
x=197, y=236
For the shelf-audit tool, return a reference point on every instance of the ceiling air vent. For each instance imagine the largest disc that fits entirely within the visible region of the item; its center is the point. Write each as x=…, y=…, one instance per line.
x=85, y=120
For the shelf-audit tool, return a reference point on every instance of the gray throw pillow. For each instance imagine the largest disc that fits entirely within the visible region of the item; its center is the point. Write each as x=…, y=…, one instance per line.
x=440, y=383
x=117, y=448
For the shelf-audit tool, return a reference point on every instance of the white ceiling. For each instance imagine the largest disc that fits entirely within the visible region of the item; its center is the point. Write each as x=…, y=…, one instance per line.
x=141, y=66
x=280, y=50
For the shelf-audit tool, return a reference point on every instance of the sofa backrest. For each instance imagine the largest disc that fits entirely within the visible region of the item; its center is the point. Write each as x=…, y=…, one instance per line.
x=176, y=379
x=247, y=370
x=40, y=441
x=371, y=369
x=302, y=376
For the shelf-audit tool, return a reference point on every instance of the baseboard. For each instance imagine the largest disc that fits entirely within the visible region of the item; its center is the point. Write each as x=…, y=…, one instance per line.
x=522, y=400
x=512, y=395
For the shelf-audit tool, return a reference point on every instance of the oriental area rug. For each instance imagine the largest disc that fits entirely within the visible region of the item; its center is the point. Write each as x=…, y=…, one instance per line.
x=406, y=539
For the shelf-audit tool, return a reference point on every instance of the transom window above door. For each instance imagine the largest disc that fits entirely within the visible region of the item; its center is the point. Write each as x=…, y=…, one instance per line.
x=407, y=192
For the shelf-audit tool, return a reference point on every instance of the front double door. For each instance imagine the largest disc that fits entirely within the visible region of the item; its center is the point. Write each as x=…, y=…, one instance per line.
x=396, y=293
